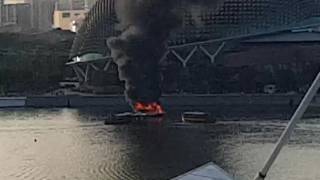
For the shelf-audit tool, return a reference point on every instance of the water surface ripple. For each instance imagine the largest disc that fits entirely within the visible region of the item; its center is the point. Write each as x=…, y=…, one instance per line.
x=54, y=144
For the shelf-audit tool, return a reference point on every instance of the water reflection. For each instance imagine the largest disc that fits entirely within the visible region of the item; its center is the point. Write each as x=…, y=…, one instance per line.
x=74, y=144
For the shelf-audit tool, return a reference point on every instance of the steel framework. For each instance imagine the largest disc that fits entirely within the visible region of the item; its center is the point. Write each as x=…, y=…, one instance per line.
x=203, y=25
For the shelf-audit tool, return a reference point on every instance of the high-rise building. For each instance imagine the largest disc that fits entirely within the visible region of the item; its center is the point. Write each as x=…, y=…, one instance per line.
x=89, y=3
x=69, y=19
x=70, y=14
x=1, y=5
x=26, y=15
x=42, y=14
x=78, y=4
x=12, y=13
x=75, y=4
x=38, y=15
x=8, y=14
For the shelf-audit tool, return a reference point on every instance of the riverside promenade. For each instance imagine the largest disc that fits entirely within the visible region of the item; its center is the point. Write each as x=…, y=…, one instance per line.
x=222, y=106
x=76, y=101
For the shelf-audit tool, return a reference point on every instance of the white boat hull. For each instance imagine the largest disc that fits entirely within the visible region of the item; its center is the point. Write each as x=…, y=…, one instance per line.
x=208, y=171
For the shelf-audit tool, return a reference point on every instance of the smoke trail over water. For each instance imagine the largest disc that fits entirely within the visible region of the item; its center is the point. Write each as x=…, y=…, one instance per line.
x=137, y=51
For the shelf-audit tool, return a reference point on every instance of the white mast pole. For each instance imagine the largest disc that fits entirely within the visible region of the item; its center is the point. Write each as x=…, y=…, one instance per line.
x=289, y=129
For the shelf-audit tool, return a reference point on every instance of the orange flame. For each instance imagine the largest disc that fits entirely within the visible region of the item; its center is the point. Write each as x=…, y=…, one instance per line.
x=149, y=108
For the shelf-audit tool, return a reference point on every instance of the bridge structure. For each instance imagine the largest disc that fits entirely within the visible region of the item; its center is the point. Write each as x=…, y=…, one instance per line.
x=206, y=29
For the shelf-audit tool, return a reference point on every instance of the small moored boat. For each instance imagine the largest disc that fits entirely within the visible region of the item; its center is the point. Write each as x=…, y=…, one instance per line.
x=196, y=117
x=147, y=115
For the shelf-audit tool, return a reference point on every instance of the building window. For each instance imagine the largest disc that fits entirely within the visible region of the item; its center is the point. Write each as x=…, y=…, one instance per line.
x=76, y=14
x=65, y=15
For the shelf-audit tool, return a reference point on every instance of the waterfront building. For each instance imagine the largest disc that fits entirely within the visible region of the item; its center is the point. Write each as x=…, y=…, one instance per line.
x=203, y=20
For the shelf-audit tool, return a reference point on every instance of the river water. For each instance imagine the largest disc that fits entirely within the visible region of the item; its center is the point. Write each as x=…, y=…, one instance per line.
x=57, y=144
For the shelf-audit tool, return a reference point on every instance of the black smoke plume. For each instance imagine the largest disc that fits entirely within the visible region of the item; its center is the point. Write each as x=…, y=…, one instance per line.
x=137, y=51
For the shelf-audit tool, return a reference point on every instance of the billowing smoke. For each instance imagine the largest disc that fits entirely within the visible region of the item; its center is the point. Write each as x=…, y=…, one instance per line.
x=137, y=51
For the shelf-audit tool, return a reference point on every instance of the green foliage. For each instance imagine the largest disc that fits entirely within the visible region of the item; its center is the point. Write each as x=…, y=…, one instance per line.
x=33, y=63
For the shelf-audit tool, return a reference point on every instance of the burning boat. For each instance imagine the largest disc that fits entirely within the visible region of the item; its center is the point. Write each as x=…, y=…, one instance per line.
x=149, y=109
x=117, y=119
x=141, y=111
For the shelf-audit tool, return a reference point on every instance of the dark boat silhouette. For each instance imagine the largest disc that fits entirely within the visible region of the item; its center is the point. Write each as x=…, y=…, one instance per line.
x=196, y=117
x=128, y=117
